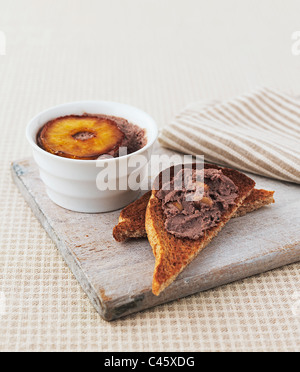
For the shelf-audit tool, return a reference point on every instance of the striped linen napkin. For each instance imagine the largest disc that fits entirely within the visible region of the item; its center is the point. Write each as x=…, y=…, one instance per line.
x=257, y=132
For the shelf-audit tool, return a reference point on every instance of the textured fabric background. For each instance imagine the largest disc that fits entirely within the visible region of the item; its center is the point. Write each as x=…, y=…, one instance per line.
x=159, y=55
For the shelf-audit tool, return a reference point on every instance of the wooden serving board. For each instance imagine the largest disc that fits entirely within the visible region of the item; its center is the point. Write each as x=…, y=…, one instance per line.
x=118, y=277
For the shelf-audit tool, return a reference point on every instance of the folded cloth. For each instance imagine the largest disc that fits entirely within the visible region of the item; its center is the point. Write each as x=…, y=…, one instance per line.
x=257, y=132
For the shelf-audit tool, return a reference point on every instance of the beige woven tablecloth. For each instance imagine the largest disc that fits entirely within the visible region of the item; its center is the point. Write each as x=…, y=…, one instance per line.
x=159, y=56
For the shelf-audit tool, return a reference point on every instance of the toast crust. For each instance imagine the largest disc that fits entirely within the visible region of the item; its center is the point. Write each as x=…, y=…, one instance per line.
x=173, y=254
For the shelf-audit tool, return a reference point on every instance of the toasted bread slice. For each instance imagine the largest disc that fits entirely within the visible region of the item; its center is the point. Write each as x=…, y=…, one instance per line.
x=256, y=200
x=173, y=254
x=132, y=218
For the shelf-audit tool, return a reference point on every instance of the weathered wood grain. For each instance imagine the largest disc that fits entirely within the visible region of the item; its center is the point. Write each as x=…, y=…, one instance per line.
x=117, y=277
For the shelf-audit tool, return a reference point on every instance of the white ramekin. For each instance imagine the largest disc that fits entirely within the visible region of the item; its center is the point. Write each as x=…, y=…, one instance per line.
x=71, y=183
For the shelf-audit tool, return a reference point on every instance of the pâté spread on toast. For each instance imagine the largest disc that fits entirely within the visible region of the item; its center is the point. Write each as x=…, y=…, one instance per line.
x=131, y=224
x=203, y=208
x=198, y=203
